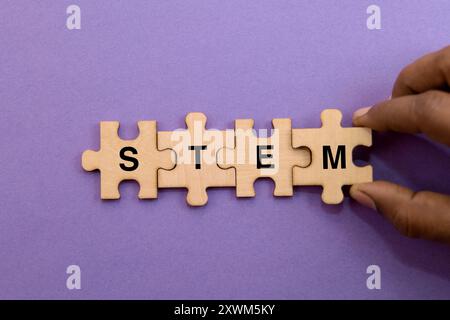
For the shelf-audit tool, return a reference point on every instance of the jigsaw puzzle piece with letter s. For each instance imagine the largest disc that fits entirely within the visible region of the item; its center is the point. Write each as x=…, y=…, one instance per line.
x=119, y=160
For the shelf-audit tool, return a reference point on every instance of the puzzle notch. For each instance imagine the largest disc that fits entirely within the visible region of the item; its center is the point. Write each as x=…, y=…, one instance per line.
x=332, y=163
x=196, y=152
x=257, y=157
x=119, y=160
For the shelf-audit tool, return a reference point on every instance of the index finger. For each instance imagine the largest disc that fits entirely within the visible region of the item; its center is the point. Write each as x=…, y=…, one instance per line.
x=432, y=71
x=427, y=113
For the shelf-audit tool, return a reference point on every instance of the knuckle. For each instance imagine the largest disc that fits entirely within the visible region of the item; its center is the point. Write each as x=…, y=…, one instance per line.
x=402, y=216
x=406, y=76
x=446, y=50
x=400, y=221
x=404, y=225
x=443, y=60
x=402, y=77
x=405, y=217
x=428, y=103
x=431, y=97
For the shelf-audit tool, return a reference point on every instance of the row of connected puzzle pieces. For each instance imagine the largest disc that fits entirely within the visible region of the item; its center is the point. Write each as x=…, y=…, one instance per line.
x=197, y=158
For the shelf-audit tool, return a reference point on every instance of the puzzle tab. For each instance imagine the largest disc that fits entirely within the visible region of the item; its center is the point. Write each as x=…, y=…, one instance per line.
x=197, y=158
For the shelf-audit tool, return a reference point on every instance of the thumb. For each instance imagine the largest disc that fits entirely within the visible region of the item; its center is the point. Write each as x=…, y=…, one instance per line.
x=421, y=214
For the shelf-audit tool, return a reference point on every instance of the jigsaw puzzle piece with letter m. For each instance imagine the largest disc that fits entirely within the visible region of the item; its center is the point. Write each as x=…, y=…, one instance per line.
x=332, y=164
x=196, y=158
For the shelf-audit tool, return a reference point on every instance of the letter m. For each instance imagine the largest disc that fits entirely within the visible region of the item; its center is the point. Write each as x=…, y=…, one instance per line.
x=334, y=160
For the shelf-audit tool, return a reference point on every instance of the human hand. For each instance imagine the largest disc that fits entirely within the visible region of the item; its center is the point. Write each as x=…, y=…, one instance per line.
x=420, y=104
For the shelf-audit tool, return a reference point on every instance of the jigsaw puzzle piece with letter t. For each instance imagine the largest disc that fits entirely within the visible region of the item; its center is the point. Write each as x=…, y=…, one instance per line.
x=269, y=157
x=196, y=154
x=120, y=160
x=331, y=151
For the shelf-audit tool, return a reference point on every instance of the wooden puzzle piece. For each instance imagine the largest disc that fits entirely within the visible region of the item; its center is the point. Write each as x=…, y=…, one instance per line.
x=255, y=157
x=331, y=150
x=120, y=160
x=196, y=151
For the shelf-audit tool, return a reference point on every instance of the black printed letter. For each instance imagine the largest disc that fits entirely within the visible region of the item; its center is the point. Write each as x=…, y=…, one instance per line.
x=261, y=155
x=340, y=155
x=198, y=158
x=127, y=158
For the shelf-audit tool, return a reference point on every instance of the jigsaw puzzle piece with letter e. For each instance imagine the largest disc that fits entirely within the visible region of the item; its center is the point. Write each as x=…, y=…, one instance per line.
x=196, y=154
x=120, y=160
x=270, y=157
x=331, y=151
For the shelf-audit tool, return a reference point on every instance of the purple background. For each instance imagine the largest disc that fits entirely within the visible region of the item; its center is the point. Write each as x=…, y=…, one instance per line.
x=136, y=60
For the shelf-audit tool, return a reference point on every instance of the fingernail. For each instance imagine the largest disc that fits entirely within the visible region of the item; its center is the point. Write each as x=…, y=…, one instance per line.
x=360, y=112
x=362, y=197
